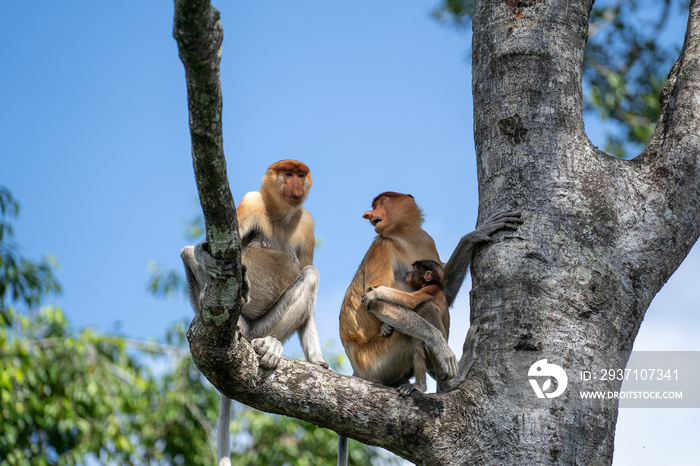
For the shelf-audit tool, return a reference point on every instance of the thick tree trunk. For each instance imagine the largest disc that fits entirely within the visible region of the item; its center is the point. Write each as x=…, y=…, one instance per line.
x=600, y=238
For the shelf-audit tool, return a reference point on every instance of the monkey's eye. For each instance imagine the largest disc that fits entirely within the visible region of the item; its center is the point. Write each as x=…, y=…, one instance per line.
x=381, y=202
x=302, y=175
x=288, y=174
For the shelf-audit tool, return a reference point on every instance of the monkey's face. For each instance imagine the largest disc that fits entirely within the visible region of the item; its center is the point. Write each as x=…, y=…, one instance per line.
x=416, y=278
x=287, y=180
x=380, y=216
x=420, y=277
x=294, y=189
x=393, y=213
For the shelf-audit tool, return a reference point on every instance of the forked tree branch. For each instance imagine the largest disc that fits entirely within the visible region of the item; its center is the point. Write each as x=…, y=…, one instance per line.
x=369, y=412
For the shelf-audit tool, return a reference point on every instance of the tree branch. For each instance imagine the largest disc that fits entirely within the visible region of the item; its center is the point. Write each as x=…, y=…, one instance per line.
x=680, y=98
x=369, y=412
x=199, y=35
x=663, y=183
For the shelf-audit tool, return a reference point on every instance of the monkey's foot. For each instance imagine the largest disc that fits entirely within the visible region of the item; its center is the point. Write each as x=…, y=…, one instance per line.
x=465, y=362
x=445, y=362
x=320, y=362
x=469, y=346
x=269, y=349
x=408, y=388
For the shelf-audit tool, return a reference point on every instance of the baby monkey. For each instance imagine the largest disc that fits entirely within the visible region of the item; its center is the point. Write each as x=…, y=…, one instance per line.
x=429, y=302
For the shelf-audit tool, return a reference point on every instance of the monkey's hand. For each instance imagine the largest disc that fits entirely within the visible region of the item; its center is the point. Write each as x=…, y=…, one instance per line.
x=217, y=268
x=499, y=221
x=374, y=294
x=269, y=349
x=387, y=330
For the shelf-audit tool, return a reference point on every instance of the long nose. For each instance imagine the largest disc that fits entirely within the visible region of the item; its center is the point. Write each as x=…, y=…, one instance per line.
x=297, y=188
x=368, y=214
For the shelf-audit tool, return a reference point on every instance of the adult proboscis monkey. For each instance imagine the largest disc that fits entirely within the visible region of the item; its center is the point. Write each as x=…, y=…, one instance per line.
x=400, y=242
x=277, y=237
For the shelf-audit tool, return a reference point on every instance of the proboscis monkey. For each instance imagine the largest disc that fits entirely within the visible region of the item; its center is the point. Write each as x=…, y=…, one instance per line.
x=277, y=237
x=400, y=242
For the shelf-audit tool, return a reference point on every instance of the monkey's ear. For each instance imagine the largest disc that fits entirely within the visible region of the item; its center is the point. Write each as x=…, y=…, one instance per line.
x=428, y=276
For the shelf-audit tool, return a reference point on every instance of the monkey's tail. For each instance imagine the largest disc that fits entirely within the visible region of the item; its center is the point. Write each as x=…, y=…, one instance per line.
x=222, y=437
x=342, y=451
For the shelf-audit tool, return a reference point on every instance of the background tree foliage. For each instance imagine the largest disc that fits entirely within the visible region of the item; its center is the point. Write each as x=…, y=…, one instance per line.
x=21, y=279
x=68, y=396
x=625, y=64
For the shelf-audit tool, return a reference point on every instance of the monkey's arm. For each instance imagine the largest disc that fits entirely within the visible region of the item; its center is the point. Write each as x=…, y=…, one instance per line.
x=398, y=297
x=196, y=276
x=456, y=268
x=412, y=324
x=304, y=236
x=251, y=215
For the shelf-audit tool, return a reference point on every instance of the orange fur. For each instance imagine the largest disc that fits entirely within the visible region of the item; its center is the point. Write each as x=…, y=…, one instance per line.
x=414, y=299
x=401, y=242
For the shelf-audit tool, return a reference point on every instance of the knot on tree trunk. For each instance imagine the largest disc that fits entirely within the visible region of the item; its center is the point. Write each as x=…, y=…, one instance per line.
x=512, y=128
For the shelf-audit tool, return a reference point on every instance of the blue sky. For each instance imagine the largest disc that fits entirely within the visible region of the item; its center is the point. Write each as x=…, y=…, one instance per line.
x=373, y=96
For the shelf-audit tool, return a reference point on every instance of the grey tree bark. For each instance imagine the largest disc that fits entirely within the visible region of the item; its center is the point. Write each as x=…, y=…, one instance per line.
x=601, y=237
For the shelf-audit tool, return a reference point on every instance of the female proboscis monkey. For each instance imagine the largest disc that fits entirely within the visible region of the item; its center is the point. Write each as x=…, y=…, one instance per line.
x=400, y=242
x=277, y=237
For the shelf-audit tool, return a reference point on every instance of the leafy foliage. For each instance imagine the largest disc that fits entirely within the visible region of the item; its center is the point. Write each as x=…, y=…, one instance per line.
x=625, y=64
x=20, y=278
x=457, y=12
x=165, y=283
x=625, y=67
x=265, y=439
x=76, y=397
x=69, y=395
